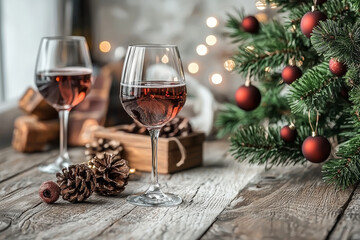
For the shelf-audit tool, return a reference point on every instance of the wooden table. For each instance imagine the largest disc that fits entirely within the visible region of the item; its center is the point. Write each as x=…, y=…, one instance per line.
x=222, y=200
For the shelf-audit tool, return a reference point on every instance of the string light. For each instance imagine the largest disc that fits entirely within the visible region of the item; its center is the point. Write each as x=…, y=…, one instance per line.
x=201, y=50
x=211, y=40
x=216, y=78
x=193, y=67
x=105, y=46
x=261, y=5
x=273, y=5
x=165, y=59
x=267, y=69
x=229, y=65
x=211, y=22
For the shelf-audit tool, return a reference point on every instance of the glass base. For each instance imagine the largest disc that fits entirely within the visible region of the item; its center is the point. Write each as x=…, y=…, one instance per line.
x=60, y=163
x=154, y=197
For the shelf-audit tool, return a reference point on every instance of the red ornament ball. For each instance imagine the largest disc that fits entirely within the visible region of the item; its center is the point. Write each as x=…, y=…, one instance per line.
x=288, y=133
x=316, y=149
x=310, y=20
x=337, y=68
x=290, y=73
x=49, y=192
x=248, y=97
x=250, y=24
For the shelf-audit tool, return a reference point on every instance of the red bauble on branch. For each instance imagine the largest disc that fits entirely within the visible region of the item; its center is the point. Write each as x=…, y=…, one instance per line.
x=337, y=68
x=316, y=149
x=250, y=24
x=310, y=20
x=290, y=73
x=288, y=133
x=248, y=97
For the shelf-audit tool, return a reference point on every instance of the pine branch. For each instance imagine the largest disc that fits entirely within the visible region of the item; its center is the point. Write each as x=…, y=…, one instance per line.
x=337, y=39
x=258, y=146
x=314, y=90
x=344, y=171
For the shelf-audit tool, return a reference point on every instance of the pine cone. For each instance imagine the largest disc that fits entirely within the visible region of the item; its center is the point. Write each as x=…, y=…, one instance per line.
x=76, y=183
x=176, y=127
x=102, y=145
x=111, y=174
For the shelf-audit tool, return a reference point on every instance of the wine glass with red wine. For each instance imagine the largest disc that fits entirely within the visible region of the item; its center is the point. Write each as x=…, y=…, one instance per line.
x=63, y=77
x=153, y=91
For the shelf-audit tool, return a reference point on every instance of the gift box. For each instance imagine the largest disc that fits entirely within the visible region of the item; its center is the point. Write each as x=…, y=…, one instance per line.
x=174, y=153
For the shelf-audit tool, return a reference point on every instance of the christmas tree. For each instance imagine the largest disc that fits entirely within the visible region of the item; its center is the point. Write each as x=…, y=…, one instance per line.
x=308, y=72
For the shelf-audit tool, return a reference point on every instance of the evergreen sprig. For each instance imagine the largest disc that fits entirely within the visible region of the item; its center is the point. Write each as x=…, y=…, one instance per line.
x=260, y=146
x=345, y=170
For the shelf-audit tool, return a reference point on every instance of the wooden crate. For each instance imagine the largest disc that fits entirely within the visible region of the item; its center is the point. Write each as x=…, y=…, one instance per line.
x=137, y=150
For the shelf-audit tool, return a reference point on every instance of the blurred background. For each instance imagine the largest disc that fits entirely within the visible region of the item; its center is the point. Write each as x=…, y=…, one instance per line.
x=197, y=27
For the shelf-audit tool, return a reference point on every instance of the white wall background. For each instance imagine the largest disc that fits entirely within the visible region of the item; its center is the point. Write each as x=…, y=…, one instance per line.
x=24, y=23
x=174, y=22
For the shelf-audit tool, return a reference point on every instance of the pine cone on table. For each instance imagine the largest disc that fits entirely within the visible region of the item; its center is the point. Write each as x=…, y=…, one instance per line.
x=111, y=172
x=77, y=183
x=102, y=145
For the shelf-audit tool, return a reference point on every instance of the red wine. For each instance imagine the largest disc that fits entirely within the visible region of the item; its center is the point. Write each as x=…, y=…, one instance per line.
x=153, y=103
x=64, y=88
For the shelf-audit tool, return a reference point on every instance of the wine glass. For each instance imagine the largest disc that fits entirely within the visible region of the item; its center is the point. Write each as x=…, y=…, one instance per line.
x=63, y=77
x=153, y=91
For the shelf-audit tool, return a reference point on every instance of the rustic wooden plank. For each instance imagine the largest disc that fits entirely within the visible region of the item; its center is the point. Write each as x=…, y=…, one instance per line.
x=13, y=163
x=349, y=225
x=296, y=205
x=206, y=191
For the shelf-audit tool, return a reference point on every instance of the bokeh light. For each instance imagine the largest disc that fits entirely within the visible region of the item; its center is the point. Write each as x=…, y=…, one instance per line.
x=211, y=22
x=211, y=40
x=104, y=46
x=229, y=65
x=193, y=67
x=216, y=78
x=201, y=50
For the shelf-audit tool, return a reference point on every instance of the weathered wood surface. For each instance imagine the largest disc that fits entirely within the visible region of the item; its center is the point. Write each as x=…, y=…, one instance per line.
x=220, y=202
x=12, y=164
x=205, y=190
x=293, y=204
x=349, y=224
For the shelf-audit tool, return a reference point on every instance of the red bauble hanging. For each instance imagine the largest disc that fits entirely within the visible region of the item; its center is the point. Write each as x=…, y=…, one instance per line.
x=316, y=149
x=248, y=97
x=288, y=133
x=337, y=68
x=290, y=73
x=310, y=20
x=250, y=24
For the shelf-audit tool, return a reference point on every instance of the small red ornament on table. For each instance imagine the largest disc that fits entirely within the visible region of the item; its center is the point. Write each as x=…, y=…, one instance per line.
x=248, y=97
x=49, y=192
x=337, y=68
x=250, y=24
x=288, y=133
x=311, y=20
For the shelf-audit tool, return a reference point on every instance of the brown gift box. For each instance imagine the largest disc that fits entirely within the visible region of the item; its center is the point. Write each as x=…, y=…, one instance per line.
x=137, y=150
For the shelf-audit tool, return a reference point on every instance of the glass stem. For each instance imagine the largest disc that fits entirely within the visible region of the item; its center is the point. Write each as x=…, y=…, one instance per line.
x=64, y=119
x=154, y=134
